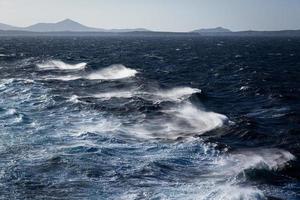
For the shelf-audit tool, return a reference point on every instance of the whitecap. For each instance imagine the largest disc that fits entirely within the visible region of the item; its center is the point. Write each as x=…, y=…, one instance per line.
x=11, y=111
x=101, y=126
x=244, y=88
x=234, y=192
x=176, y=94
x=268, y=159
x=180, y=121
x=63, y=78
x=112, y=72
x=225, y=170
x=115, y=94
x=74, y=99
x=58, y=64
x=5, y=82
x=196, y=120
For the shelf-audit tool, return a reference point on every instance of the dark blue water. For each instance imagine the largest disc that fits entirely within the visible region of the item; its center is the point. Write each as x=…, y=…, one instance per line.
x=149, y=118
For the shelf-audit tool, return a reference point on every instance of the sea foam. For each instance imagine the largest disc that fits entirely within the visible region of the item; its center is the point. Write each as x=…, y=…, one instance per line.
x=176, y=94
x=115, y=94
x=57, y=64
x=112, y=72
x=179, y=122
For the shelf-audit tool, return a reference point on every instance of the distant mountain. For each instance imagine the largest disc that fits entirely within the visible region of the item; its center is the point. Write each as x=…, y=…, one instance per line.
x=213, y=30
x=8, y=27
x=66, y=25
x=70, y=27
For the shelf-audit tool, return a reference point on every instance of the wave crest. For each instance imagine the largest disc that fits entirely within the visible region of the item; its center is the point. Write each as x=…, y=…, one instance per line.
x=57, y=64
x=116, y=94
x=177, y=94
x=181, y=121
x=268, y=159
x=112, y=72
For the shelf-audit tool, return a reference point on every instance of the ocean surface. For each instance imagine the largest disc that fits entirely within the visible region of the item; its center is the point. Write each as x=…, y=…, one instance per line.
x=206, y=118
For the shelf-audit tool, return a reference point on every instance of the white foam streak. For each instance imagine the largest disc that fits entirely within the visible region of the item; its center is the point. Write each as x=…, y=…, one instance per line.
x=200, y=120
x=112, y=72
x=101, y=127
x=57, y=64
x=64, y=78
x=116, y=94
x=270, y=159
x=231, y=192
x=181, y=121
x=176, y=94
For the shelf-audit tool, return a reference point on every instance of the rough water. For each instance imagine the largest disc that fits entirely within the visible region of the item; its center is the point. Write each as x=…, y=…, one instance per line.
x=149, y=118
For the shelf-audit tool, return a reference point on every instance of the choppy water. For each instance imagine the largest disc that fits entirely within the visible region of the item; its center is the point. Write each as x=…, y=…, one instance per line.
x=149, y=118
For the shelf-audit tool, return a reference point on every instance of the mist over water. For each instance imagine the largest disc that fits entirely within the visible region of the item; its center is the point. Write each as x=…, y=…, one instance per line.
x=149, y=118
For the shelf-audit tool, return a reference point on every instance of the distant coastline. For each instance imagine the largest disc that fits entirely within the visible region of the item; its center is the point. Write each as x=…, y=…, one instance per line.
x=287, y=33
x=69, y=27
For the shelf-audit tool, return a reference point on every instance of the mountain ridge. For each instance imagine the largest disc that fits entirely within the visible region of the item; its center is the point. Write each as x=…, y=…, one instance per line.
x=70, y=27
x=213, y=30
x=66, y=25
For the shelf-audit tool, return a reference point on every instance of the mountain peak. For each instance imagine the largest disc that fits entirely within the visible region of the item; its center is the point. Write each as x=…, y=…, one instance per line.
x=64, y=25
x=68, y=25
x=67, y=21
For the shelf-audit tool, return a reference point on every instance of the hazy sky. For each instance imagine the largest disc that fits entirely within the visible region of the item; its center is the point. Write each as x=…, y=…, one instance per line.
x=166, y=15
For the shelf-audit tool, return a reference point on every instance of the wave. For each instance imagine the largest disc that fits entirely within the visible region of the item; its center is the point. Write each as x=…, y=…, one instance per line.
x=11, y=111
x=12, y=116
x=112, y=72
x=266, y=159
x=269, y=159
x=196, y=120
x=116, y=94
x=57, y=64
x=63, y=78
x=179, y=122
x=225, y=170
x=5, y=82
x=233, y=192
x=176, y=94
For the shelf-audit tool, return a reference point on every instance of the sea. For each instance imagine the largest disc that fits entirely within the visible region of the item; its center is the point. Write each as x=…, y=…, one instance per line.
x=149, y=117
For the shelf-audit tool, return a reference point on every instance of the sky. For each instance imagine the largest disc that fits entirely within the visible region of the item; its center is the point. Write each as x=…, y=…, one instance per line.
x=157, y=15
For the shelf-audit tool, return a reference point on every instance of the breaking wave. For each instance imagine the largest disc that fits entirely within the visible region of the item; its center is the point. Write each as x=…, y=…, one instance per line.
x=179, y=122
x=57, y=64
x=112, y=72
x=129, y=133
x=268, y=159
x=233, y=192
x=176, y=94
